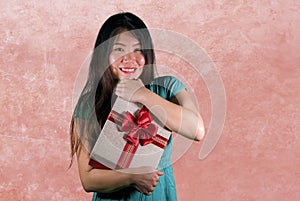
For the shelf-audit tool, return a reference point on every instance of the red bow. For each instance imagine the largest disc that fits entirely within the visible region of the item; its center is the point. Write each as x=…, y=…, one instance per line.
x=140, y=130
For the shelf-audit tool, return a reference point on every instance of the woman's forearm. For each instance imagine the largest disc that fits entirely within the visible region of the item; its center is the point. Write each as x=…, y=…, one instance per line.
x=182, y=120
x=100, y=180
x=97, y=180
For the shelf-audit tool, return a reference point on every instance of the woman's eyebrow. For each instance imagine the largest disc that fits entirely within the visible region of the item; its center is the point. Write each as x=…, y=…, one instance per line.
x=122, y=44
x=137, y=44
x=118, y=43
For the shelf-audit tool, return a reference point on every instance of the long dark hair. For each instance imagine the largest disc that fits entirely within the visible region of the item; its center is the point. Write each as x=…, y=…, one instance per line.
x=95, y=99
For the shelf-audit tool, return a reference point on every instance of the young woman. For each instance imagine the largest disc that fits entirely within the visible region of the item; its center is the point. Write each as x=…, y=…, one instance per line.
x=123, y=64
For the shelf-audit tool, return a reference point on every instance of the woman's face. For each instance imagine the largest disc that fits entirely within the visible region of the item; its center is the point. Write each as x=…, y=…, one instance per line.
x=126, y=59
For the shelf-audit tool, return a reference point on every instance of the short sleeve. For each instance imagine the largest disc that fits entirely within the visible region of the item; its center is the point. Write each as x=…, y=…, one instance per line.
x=83, y=108
x=166, y=86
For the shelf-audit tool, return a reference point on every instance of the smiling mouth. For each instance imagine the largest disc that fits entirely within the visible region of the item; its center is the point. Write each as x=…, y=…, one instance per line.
x=128, y=70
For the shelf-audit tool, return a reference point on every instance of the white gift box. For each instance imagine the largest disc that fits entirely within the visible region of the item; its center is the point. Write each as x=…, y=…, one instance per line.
x=120, y=143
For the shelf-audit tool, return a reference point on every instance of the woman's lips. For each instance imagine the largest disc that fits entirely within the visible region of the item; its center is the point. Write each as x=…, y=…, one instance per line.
x=127, y=70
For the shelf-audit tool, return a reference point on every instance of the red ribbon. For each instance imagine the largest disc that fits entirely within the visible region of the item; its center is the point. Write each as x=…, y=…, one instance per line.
x=140, y=130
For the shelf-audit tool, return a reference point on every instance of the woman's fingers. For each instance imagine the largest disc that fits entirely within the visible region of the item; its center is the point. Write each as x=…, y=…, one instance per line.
x=146, y=182
x=126, y=88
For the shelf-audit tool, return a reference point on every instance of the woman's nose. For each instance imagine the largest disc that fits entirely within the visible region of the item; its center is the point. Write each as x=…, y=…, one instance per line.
x=128, y=57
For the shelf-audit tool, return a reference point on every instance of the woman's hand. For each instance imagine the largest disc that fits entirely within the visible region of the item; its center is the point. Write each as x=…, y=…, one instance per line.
x=145, y=179
x=127, y=89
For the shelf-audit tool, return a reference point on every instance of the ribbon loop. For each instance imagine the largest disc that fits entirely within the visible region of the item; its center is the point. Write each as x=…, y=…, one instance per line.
x=140, y=130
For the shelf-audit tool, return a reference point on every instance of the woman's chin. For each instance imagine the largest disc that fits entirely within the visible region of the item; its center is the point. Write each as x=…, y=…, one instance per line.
x=131, y=77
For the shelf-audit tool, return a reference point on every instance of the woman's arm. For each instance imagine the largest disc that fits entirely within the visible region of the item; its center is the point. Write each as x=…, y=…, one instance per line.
x=97, y=179
x=100, y=180
x=183, y=118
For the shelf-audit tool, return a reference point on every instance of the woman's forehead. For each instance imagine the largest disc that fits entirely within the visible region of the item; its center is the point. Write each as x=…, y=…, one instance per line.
x=126, y=37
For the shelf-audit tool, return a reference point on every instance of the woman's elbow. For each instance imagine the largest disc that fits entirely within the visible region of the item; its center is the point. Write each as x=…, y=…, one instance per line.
x=199, y=134
x=87, y=183
x=86, y=186
x=194, y=128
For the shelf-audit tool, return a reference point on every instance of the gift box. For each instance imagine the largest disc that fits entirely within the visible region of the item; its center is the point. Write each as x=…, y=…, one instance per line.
x=131, y=137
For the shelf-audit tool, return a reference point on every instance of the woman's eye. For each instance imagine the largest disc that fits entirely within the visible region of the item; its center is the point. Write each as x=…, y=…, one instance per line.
x=138, y=50
x=118, y=49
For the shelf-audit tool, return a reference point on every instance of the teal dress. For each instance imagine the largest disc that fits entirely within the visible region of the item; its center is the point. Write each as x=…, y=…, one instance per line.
x=166, y=87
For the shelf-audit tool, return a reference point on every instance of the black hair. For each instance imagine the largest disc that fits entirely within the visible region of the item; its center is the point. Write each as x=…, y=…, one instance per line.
x=99, y=87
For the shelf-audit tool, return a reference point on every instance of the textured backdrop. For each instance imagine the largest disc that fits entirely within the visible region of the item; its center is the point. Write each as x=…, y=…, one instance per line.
x=255, y=48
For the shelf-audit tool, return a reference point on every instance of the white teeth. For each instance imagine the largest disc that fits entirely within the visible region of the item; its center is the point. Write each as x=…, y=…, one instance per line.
x=128, y=70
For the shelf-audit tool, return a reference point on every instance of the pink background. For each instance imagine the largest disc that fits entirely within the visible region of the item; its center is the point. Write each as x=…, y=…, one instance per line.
x=255, y=47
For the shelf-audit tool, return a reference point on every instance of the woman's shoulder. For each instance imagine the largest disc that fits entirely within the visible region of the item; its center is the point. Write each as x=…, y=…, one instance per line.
x=167, y=81
x=83, y=107
x=166, y=78
x=166, y=86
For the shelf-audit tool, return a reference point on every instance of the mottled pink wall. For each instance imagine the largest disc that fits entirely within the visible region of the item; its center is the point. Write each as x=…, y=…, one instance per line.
x=255, y=47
